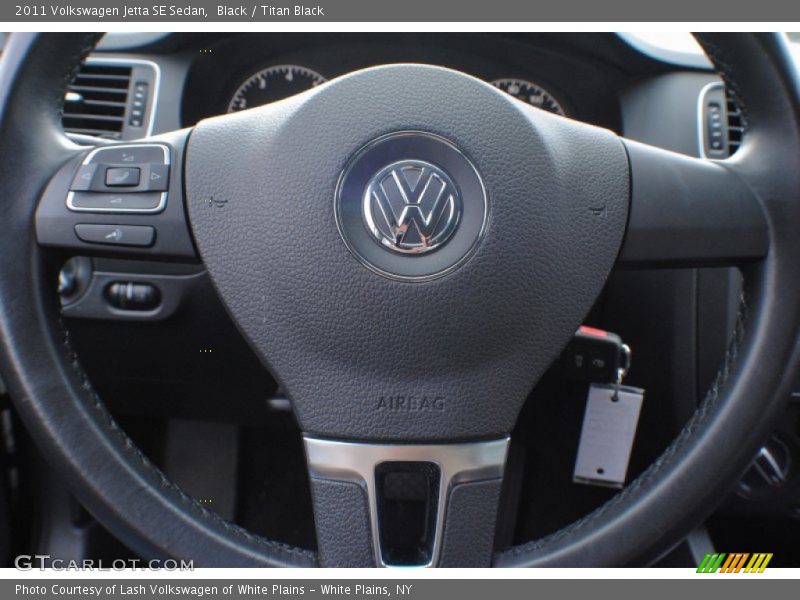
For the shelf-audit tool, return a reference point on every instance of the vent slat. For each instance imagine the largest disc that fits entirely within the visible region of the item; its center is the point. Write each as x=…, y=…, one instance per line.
x=92, y=102
x=111, y=83
x=106, y=76
x=83, y=123
x=97, y=100
x=95, y=132
x=93, y=117
x=94, y=88
x=107, y=69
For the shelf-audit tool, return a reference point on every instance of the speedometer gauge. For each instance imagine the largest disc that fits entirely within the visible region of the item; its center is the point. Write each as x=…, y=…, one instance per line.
x=273, y=83
x=531, y=93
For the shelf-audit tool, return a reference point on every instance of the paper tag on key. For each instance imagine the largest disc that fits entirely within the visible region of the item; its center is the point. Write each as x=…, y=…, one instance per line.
x=609, y=428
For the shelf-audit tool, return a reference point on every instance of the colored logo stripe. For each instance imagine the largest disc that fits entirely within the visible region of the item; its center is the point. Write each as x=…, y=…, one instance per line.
x=711, y=562
x=758, y=563
x=734, y=562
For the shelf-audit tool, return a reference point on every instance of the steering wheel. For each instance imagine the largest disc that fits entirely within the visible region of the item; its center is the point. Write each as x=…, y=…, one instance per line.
x=406, y=249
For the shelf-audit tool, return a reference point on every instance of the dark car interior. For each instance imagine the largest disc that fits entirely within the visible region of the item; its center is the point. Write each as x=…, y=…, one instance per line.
x=182, y=379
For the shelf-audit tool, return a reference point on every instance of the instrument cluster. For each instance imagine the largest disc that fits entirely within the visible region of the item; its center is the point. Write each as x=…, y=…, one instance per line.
x=236, y=72
x=277, y=82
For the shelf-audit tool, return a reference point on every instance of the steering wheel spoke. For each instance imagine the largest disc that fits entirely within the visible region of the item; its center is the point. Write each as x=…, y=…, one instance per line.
x=119, y=200
x=689, y=212
x=405, y=505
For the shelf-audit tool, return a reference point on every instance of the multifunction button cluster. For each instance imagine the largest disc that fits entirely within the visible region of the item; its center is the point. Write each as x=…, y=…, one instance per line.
x=120, y=180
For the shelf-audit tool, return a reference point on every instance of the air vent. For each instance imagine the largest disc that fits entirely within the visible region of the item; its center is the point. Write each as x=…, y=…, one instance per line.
x=735, y=124
x=97, y=101
x=721, y=125
x=111, y=99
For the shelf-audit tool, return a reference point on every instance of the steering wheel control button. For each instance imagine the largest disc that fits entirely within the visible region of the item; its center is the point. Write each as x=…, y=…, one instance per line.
x=117, y=235
x=115, y=202
x=84, y=178
x=411, y=206
x=123, y=176
x=157, y=178
x=141, y=170
x=129, y=154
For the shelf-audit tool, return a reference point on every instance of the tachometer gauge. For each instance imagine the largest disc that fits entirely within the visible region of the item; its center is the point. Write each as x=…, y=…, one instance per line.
x=531, y=93
x=273, y=83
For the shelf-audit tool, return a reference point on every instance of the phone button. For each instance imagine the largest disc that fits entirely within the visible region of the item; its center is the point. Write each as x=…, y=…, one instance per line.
x=122, y=176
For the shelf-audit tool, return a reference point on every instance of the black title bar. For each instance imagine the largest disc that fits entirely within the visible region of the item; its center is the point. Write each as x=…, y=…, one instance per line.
x=418, y=11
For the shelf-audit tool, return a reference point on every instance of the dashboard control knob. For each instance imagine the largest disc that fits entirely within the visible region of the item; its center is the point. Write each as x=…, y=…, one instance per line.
x=768, y=472
x=127, y=295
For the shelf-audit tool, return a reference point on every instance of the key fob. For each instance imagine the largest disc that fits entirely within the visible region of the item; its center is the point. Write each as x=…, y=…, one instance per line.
x=593, y=355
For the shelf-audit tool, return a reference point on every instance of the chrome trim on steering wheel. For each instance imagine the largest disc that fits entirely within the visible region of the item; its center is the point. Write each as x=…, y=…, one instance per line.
x=356, y=462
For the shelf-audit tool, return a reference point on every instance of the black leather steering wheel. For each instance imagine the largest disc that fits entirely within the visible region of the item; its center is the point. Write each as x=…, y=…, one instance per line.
x=544, y=208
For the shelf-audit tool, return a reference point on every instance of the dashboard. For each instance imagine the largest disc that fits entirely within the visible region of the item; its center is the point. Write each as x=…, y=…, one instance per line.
x=597, y=78
x=243, y=71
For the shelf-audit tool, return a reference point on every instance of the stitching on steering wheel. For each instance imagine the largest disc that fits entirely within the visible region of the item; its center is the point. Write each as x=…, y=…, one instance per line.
x=90, y=41
x=719, y=59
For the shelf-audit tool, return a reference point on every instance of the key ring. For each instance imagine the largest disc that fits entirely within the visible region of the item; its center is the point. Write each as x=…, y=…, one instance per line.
x=623, y=369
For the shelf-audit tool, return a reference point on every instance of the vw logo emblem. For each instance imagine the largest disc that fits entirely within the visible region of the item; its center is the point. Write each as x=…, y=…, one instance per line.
x=411, y=206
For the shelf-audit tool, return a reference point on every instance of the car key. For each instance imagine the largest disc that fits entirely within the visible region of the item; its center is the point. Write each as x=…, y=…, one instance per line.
x=612, y=410
x=594, y=355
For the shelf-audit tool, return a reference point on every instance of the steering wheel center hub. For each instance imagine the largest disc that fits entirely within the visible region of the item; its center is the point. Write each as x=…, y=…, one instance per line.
x=485, y=233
